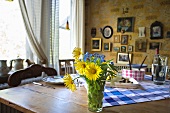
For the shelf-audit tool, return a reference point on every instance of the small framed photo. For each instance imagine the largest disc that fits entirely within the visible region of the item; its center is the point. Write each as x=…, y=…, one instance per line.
x=122, y=58
x=123, y=48
x=130, y=48
x=124, y=39
x=106, y=46
x=154, y=45
x=116, y=49
x=116, y=38
x=96, y=44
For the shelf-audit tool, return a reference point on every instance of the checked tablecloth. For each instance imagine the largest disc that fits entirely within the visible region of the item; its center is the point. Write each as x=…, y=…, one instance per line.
x=148, y=92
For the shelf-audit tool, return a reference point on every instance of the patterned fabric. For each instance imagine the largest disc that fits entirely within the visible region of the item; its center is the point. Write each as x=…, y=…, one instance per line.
x=136, y=74
x=147, y=92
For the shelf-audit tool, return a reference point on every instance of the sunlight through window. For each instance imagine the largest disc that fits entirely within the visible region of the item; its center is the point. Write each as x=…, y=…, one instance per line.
x=12, y=31
x=65, y=51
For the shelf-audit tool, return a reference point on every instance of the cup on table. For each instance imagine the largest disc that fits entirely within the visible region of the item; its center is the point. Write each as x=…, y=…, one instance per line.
x=159, y=73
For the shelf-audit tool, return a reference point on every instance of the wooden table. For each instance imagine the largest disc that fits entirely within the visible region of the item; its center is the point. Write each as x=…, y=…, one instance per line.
x=32, y=98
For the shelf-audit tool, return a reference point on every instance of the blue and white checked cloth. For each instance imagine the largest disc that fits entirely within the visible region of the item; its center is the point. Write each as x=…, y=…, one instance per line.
x=148, y=92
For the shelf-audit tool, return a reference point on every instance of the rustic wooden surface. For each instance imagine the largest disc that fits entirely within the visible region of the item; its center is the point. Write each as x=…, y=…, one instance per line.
x=32, y=98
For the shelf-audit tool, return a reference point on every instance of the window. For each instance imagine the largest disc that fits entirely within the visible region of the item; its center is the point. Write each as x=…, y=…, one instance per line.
x=65, y=51
x=13, y=34
x=12, y=31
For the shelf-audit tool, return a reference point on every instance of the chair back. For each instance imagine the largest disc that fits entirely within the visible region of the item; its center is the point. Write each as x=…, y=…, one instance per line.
x=32, y=71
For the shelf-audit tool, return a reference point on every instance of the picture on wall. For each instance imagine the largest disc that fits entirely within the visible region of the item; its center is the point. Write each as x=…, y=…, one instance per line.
x=116, y=38
x=96, y=44
x=124, y=39
x=130, y=48
x=156, y=30
x=106, y=46
x=123, y=48
x=116, y=49
x=107, y=32
x=141, y=32
x=122, y=58
x=140, y=45
x=125, y=24
x=154, y=45
x=93, y=32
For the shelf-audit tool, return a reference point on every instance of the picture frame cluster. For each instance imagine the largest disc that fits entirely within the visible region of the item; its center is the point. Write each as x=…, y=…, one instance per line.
x=98, y=45
x=124, y=24
x=121, y=43
x=123, y=40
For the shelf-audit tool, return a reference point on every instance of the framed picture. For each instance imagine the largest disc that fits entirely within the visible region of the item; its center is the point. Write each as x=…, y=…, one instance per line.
x=142, y=32
x=124, y=39
x=123, y=48
x=154, y=45
x=122, y=58
x=156, y=30
x=93, y=32
x=107, y=32
x=116, y=49
x=130, y=48
x=96, y=44
x=168, y=34
x=125, y=24
x=116, y=38
x=106, y=46
x=140, y=45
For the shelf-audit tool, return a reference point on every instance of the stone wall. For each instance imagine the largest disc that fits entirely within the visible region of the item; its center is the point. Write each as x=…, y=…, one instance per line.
x=99, y=13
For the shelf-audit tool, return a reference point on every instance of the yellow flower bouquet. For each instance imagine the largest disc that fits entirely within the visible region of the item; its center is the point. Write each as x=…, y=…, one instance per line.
x=95, y=70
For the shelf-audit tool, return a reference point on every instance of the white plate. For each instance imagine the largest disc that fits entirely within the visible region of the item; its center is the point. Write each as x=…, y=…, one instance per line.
x=53, y=80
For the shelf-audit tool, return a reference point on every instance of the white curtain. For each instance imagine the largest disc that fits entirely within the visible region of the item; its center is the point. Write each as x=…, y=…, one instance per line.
x=54, y=35
x=31, y=11
x=41, y=18
x=78, y=24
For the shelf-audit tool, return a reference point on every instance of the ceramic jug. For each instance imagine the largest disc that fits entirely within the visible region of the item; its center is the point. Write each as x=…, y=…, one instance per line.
x=4, y=69
x=18, y=64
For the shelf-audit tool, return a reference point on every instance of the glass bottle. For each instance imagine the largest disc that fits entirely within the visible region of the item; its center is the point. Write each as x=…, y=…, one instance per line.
x=159, y=69
x=155, y=62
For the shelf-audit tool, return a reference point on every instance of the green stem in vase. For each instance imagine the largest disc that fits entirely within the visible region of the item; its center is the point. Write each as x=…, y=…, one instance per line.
x=95, y=95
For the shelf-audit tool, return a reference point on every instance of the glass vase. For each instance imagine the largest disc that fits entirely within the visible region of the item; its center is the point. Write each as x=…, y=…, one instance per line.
x=95, y=95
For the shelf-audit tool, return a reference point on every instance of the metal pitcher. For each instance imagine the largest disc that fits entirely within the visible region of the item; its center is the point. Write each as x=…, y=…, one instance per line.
x=4, y=69
x=18, y=64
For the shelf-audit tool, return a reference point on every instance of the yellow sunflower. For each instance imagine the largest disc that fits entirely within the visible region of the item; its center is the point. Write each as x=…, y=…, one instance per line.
x=93, y=71
x=69, y=82
x=80, y=67
x=76, y=52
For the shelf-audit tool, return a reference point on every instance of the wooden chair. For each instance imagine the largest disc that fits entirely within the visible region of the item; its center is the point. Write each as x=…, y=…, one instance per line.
x=66, y=66
x=34, y=70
